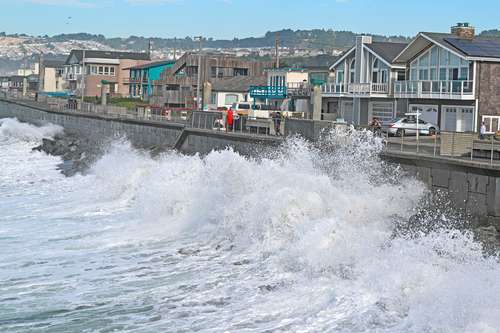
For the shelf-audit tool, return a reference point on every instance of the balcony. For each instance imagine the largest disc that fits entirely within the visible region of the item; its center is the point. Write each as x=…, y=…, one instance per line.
x=356, y=89
x=73, y=77
x=459, y=90
x=135, y=80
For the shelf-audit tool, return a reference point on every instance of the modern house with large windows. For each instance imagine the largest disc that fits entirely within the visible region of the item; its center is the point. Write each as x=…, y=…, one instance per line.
x=453, y=79
x=365, y=76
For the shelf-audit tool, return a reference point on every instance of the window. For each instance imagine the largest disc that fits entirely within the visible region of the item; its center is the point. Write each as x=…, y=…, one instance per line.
x=112, y=71
x=352, y=71
x=106, y=70
x=401, y=76
x=375, y=71
x=383, y=75
x=240, y=72
x=230, y=99
x=101, y=70
x=191, y=71
x=340, y=77
x=93, y=70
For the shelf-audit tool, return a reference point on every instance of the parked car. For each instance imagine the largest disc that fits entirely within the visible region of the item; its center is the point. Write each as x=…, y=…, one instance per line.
x=408, y=126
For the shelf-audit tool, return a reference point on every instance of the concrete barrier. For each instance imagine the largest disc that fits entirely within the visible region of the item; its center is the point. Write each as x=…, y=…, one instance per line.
x=473, y=187
x=308, y=129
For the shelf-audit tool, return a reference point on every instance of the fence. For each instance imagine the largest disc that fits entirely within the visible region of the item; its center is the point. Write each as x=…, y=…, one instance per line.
x=467, y=145
x=217, y=121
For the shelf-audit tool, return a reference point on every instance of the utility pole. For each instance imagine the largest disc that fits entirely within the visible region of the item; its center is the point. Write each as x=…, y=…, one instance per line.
x=198, y=101
x=83, y=76
x=277, y=45
x=41, y=73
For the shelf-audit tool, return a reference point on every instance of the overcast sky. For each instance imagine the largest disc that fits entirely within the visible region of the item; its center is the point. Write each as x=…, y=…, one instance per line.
x=241, y=18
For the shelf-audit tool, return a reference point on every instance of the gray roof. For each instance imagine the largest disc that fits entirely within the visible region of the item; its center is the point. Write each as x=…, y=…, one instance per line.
x=387, y=50
x=53, y=63
x=486, y=47
x=239, y=83
x=16, y=78
x=108, y=55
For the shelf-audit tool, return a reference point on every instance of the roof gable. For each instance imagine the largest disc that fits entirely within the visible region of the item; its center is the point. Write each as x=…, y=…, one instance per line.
x=387, y=51
x=342, y=57
x=77, y=55
x=479, y=47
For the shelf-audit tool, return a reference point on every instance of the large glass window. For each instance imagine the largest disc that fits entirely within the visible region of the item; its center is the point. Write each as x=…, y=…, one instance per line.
x=439, y=64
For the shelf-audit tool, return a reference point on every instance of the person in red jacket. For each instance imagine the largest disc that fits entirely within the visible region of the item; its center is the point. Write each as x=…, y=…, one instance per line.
x=229, y=119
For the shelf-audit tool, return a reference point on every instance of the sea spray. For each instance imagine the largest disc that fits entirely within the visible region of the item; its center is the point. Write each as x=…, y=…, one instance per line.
x=308, y=239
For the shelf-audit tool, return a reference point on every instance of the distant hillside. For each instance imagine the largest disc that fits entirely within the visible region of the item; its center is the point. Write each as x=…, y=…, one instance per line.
x=490, y=33
x=317, y=39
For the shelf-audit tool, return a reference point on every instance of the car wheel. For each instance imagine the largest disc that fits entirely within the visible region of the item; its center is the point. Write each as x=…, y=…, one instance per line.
x=400, y=132
x=432, y=131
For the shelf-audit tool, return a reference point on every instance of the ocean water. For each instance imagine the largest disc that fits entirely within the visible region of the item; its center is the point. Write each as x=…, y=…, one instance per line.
x=301, y=241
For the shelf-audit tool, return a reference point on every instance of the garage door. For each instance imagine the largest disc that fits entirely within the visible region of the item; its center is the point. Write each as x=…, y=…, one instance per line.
x=428, y=113
x=457, y=119
x=383, y=111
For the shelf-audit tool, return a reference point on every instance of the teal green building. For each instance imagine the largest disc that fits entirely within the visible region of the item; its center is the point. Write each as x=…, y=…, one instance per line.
x=142, y=77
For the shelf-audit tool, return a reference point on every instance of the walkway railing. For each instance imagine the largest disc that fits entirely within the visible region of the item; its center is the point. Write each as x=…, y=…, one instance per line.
x=356, y=88
x=434, y=89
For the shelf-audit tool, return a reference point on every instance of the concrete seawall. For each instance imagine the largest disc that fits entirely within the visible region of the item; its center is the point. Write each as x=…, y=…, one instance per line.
x=474, y=188
x=141, y=133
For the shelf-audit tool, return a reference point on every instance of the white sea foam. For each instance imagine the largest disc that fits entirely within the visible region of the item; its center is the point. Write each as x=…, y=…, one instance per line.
x=11, y=127
x=301, y=242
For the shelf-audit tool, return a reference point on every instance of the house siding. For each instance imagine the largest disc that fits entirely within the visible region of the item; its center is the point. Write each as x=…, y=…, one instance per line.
x=488, y=89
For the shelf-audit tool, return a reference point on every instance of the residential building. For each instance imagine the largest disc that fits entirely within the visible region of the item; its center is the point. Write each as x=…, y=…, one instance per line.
x=4, y=83
x=142, y=77
x=453, y=79
x=109, y=67
x=180, y=85
x=16, y=83
x=291, y=88
x=33, y=69
x=364, y=79
x=52, y=76
x=235, y=90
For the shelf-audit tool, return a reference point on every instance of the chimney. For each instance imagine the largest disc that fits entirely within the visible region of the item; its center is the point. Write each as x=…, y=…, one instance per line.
x=464, y=30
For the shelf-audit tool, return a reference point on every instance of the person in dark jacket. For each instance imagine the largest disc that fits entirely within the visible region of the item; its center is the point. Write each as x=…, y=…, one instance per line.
x=277, y=123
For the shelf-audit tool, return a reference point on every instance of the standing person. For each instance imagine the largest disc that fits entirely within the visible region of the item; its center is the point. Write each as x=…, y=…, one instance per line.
x=482, y=131
x=277, y=123
x=236, y=120
x=229, y=120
